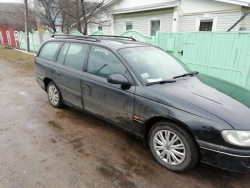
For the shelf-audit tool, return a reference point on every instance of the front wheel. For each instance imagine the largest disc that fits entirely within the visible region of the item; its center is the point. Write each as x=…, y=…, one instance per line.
x=54, y=95
x=173, y=147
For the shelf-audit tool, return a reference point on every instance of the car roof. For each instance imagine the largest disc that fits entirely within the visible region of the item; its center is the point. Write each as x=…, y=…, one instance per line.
x=113, y=44
x=116, y=44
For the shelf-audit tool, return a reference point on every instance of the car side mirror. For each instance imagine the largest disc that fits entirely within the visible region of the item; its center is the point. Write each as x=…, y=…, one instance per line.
x=118, y=79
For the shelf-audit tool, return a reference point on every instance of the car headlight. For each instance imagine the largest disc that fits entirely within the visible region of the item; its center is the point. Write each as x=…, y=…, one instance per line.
x=239, y=138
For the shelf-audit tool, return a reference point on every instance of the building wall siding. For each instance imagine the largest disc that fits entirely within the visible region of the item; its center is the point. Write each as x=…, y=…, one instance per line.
x=94, y=28
x=91, y=29
x=227, y=14
x=246, y=21
x=141, y=21
x=107, y=29
x=194, y=6
x=135, y=3
x=224, y=21
x=187, y=23
x=227, y=19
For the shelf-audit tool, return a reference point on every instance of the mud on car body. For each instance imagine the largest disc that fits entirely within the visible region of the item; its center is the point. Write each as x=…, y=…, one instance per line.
x=148, y=93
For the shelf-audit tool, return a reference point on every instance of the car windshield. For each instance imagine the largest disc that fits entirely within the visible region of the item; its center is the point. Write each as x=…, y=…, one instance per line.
x=152, y=65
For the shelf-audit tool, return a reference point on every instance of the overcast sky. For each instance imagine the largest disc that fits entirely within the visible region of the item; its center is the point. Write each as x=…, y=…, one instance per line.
x=21, y=1
x=11, y=1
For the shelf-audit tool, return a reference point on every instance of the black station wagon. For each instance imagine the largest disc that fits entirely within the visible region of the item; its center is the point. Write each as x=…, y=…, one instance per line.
x=151, y=95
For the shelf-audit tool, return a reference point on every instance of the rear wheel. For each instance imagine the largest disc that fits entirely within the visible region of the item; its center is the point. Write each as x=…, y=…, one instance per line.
x=54, y=95
x=173, y=147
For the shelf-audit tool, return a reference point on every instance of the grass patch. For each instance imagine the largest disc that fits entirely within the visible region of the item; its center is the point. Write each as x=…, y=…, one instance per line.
x=24, y=63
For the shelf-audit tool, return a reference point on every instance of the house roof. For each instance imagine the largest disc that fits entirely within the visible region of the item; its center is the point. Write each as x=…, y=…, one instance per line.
x=237, y=2
x=147, y=7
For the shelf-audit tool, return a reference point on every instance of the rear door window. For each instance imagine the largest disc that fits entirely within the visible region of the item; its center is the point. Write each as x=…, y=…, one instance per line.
x=76, y=55
x=49, y=50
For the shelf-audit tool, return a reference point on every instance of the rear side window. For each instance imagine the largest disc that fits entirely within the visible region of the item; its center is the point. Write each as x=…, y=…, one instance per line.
x=76, y=55
x=49, y=50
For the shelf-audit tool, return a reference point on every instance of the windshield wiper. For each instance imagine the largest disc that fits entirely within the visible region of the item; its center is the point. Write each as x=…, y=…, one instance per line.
x=187, y=74
x=161, y=82
x=101, y=68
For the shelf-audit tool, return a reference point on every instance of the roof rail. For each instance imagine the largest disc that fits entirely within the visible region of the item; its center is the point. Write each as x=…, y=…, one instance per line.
x=77, y=37
x=113, y=36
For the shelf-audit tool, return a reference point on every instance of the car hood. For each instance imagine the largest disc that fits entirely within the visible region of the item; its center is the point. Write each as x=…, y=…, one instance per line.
x=193, y=90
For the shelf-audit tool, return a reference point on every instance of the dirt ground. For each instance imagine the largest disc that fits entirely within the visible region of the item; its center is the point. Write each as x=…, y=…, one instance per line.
x=46, y=147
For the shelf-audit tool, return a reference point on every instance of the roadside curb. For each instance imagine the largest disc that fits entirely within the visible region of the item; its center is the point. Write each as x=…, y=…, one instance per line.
x=25, y=52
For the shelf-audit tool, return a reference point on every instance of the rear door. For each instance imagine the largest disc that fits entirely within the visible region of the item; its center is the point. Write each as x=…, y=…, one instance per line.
x=110, y=101
x=68, y=71
x=45, y=59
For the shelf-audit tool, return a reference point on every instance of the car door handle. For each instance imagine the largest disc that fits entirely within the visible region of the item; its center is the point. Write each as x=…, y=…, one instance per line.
x=58, y=73
x=88, y=85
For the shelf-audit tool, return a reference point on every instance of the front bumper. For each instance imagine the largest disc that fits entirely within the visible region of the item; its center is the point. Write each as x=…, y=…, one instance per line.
x=236, y=160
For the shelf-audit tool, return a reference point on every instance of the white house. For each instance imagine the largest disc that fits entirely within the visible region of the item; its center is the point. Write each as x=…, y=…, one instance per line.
x=149, y=16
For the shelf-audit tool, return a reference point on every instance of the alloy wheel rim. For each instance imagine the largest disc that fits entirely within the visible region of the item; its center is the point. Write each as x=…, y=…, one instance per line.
x=169, y=147
x=53, y=95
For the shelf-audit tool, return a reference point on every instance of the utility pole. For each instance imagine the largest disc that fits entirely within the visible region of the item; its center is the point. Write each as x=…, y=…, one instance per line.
x=26, y=26
x=38, y=21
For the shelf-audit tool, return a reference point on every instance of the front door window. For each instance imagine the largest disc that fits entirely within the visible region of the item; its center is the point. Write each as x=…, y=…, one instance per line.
x=103, y=63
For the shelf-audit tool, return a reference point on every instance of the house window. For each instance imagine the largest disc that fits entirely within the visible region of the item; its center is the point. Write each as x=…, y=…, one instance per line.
x=207, y=22
x=129, y=26
x=155, y=26
x=206, y=25
x=100, y=28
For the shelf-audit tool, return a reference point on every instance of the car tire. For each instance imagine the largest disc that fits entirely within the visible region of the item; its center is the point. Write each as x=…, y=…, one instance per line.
x=173, y=147
x=54, y=95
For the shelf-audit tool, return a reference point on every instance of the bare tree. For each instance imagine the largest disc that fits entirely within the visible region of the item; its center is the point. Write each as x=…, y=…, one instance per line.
x=4, y=24
x=48, y=11
x=66, y=15
x=15, y=16
x=12, y=16
x=92, y=12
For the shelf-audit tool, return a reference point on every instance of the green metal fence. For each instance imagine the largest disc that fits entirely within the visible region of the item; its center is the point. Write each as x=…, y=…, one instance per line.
x=99, y=33
x=225, y=55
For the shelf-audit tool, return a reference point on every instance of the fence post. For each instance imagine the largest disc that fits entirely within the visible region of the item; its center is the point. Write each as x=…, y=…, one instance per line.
x=153, y=41
x=248, y=66
x=157, y=36
x=32, y=46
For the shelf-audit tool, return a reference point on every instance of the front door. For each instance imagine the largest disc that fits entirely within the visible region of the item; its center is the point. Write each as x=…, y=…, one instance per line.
x=109, y=101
